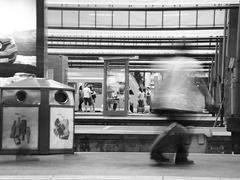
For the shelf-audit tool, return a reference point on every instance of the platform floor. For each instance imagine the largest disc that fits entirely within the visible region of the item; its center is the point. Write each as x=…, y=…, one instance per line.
x=118, y=166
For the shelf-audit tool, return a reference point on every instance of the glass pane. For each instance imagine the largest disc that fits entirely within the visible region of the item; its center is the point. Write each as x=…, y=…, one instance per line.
x=70, y=18
x=137, y=19
x=154, y=19
x=104, y=18
x=188, y=19
x=87, y=19
x=115, y=86
x=219, y=17
x=205, y=18
x=120, y=19
x=171, y=19
x=54, y=18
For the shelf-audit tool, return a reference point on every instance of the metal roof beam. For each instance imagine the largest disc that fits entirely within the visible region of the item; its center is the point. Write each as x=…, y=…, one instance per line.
x=154, y=8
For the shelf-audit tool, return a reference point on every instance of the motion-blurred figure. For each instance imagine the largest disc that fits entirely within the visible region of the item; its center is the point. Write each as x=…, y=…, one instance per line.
x=173, y=96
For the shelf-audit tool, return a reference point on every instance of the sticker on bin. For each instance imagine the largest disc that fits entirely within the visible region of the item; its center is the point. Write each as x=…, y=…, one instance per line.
x=61, y=128
x=20, y=128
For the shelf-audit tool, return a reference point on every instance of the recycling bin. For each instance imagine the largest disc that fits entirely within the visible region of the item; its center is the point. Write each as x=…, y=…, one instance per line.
x=36, y=117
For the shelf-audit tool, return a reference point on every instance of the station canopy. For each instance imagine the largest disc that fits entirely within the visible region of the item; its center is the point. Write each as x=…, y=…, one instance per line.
x=145, y=2
x=85, y=30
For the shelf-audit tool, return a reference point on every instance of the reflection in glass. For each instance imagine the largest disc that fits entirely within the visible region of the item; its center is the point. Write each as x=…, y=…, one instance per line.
x=54, y=18
x=205, y=18
x=70, y=18
x=171, y=19
x=137, y=19
x=87, y=19
x=120, y=19
x=104, y=19
x=188, y=19
x=154, y=19
x=115, y=87
x=219, y=17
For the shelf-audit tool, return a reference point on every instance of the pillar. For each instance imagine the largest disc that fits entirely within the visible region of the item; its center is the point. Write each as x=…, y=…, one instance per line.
x=233, y=121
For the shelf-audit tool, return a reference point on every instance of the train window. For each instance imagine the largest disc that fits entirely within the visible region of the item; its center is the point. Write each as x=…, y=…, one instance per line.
x=97, y=86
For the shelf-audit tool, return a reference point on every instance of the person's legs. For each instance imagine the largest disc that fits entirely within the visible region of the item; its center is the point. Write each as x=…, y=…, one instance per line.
x=166, y=142
x=85, y=103
x=114, y=106
x=90, y=104
x=80, y=104
x=182, y=147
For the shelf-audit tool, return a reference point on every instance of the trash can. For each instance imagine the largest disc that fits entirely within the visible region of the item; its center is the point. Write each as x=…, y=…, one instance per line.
x=36, y=117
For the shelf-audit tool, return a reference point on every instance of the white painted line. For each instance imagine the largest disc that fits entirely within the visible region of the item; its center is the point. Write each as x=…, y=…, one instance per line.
x=93, y=177
x=107, y=127
x=26, y=177
x=190, y=178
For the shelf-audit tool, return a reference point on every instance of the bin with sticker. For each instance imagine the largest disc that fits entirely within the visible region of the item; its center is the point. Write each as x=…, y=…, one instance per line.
x=36, y=117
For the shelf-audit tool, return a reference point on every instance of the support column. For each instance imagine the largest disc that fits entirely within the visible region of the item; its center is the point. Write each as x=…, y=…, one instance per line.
x=230, y=56
x=223, y=65
x=213, y=81
x=233, y=122
x=218, y=75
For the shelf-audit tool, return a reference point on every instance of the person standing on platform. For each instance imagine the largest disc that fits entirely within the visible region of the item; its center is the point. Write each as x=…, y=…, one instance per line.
x=93, y=97
x=148, y=100
x=131, y=104
x=87, y=97
x=141, y=96
x=80, y=98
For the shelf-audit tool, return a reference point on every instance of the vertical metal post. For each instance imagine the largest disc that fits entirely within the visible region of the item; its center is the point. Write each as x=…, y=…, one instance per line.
x=219, y=72
x=237, y=73
x=62, y=17
x=214, y=72
x=196, y=18
x=146, y=17
x=112, y=18
x=215, y=75
x=95, y=18
x=79, y=16
x=179, y=19
x=223, y=67
x=162, y=18
x=238, y=51
x=214, y=17
x=233, y=122
x=230, y=56
x=129, y=16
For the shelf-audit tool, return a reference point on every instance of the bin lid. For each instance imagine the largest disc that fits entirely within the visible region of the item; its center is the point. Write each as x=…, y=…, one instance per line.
x=37, y=83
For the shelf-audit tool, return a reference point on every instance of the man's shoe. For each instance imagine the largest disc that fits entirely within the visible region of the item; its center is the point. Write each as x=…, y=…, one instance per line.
x=184, y=162
x=160, y=158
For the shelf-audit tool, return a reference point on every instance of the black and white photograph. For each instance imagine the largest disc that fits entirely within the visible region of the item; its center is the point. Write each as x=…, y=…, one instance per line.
x=120, y=89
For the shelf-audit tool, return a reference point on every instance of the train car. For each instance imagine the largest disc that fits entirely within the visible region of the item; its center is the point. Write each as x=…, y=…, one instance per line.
x=94, y=76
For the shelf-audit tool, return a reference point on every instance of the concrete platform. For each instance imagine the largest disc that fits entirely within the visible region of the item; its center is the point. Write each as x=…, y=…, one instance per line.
x=118, y=166
x=95, y=118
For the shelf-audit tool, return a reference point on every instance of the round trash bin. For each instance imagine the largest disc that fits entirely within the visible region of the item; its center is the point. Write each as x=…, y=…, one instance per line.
x=36, y=117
